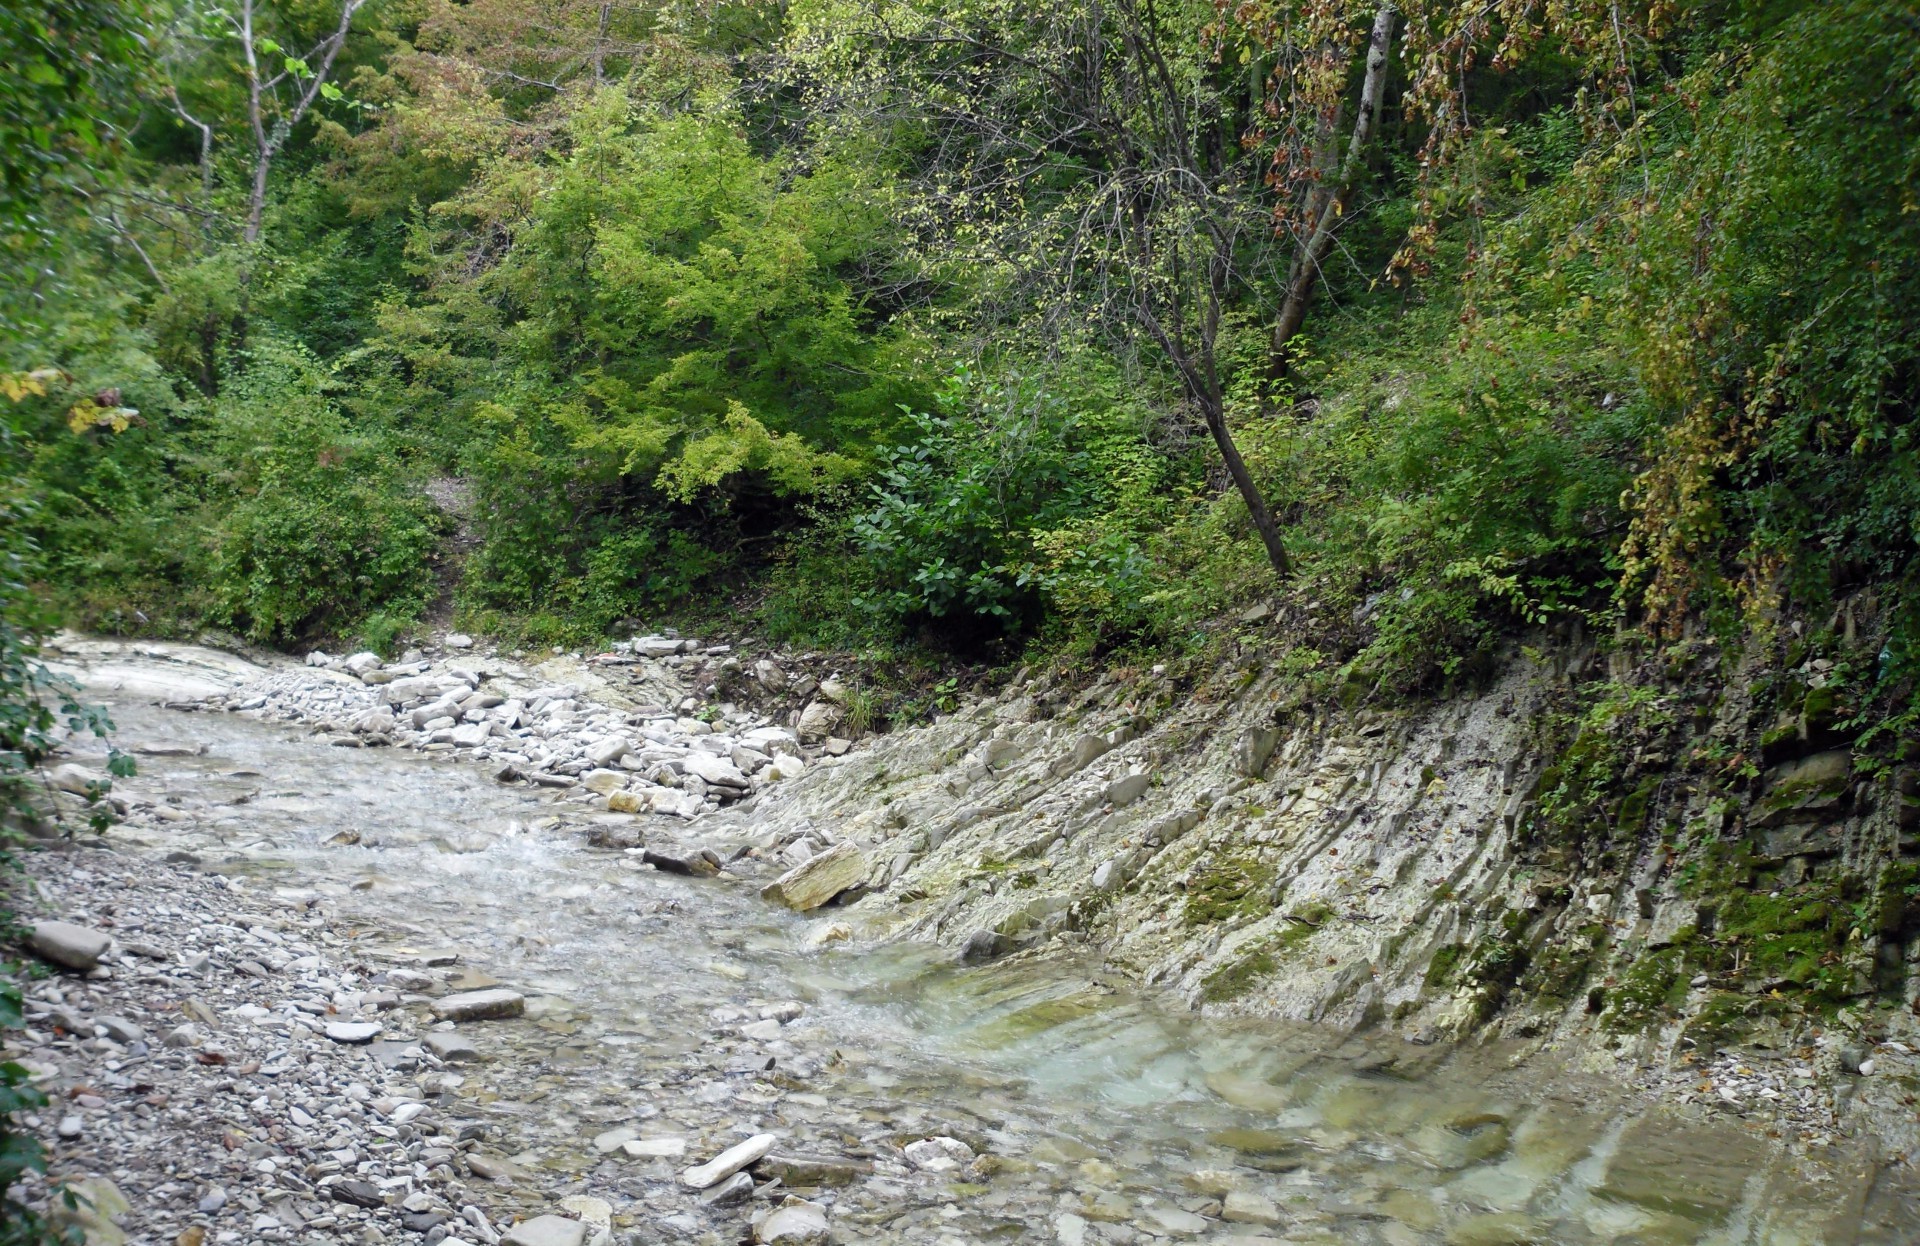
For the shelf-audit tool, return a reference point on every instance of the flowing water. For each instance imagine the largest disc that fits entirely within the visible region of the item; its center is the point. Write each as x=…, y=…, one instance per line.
x=1117, y=1115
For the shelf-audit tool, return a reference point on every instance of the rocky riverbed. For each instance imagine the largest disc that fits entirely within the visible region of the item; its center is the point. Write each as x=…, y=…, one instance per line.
x=281, y=1041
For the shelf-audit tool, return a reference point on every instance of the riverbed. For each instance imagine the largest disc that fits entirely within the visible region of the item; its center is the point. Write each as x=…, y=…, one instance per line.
x=1091, y=1111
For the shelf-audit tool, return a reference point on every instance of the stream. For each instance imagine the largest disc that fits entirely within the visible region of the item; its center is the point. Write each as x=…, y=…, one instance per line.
x=1113, y=1115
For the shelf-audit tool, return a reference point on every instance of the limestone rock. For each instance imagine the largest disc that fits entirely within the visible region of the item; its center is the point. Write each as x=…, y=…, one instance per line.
x=815, y=881
x=546, y=1231
x=489, y=1005
x=78, y=780
x=728, y=1162
x=64, y=943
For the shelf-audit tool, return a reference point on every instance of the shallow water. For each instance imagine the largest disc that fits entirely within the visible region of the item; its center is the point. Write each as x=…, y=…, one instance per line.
x=1109, y=1105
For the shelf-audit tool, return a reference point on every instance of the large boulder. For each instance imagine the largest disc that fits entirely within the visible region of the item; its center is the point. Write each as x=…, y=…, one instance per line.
x=819, y=879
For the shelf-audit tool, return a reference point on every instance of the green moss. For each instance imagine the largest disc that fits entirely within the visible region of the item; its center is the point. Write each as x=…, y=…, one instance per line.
x=1233, y=980
x=1446, y=959
x=1646, y=992
x=1794, y=936
x=1231, y=886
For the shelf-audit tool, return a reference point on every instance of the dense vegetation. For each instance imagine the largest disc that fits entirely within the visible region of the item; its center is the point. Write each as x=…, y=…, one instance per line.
x=894, y=322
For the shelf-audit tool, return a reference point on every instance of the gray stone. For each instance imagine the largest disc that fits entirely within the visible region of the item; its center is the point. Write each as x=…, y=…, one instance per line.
x=64, y=943
x=819, y=718
x=985, y=945
x=812, y=883
x=358, y=1193
x=546, y=1231
x=735, y=1189
x=1253, y=750
x=353, y=1031
x=1126, y=789
x=452, y=1048
x=1173, y=1222
x=715, y=770
x=489, y=1005
x=459, y=640
x=120, y=1030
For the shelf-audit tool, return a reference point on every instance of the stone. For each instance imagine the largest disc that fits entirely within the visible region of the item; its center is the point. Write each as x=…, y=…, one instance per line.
x=362, y=662
x=812, y=883
x=78, y=780
x=735, y=1189
x=1253, y=750
x=609, y=749
x=594, y=1212
x=715, y=770
x=985, y=945
x=1127, y=789
x=728, y=1162
x=470, y=735
x=451, y=1048
x=120, y=1030
x=819, y=718
x=612, y=1140
x=353, y=1031
x=100, y=1205
x=704, y=863
x=604, y=782
x=938, y=1154
x=546, y=1231
x=795, y=1220
x=799, y=1171
x=1173, y=1222
x=459, y=640
x=358, y=1193
x=628, y=802
x=490, y=1005
x=1246, y=1207
x=63, y=943
x=655, y=1148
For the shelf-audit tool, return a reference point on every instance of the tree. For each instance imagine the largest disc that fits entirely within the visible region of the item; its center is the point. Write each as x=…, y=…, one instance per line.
x=1111, y=160
x=277, y=87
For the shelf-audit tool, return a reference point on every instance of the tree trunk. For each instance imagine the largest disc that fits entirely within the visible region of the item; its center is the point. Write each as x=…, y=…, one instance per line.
x=1315, y=247
x=1263, y=521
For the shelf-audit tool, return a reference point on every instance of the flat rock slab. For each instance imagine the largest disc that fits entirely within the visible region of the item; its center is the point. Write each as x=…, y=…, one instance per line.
x=353, y=1031
x=801, y=1171
x=492, y=1005
x=728, y=1162
x=655, y=1148
x=63, y=943
x=451, y=1048
x=819, y=879
x=1673, y=1166
x=546, y=1231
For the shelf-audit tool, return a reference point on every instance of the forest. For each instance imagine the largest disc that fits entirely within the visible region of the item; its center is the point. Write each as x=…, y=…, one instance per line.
x=961, y=328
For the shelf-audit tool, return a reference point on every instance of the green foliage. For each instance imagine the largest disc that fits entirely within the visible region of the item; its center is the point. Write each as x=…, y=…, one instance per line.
x=323, y=527
x=999, y=504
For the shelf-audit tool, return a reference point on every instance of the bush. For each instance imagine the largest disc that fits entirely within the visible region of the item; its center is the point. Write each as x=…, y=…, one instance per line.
x=988, y=509
x=324, y=527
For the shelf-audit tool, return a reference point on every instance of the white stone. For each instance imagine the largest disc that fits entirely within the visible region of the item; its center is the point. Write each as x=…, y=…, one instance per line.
x=655, y=1148
x=728, y=1162
x=546, y=1231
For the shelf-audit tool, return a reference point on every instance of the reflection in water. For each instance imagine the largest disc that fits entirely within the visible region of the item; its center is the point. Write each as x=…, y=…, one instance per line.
x=1115, y=1111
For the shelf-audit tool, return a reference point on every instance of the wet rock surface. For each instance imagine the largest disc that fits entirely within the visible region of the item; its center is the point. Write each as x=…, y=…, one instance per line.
x=882, y=1091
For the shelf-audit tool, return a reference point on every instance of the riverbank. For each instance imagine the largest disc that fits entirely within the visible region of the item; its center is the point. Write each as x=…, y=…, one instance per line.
x=662, y=1009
